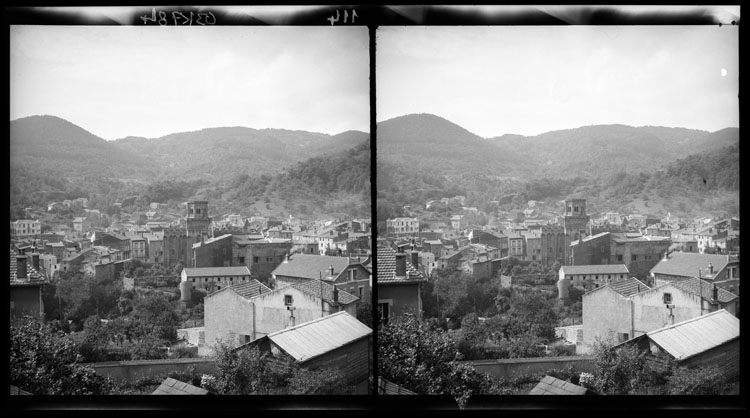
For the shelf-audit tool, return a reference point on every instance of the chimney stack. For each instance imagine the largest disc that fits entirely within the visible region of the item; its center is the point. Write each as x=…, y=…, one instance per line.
x=400, y=265
x=330, y=270
x=288, y=257
x=716, y=293
x=21, y=267
x=415, y=259
x=710, y=269
x=35, y=261
x=335, y=294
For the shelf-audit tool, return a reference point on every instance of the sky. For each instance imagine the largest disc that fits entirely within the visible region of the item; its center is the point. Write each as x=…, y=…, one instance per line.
x=529, y=80
x=118, y=81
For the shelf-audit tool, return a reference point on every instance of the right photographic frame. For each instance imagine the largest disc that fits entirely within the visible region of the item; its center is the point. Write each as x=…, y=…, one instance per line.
x=557, y=206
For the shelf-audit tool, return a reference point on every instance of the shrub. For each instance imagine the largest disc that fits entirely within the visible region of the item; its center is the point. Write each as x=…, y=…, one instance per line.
x=697, y=381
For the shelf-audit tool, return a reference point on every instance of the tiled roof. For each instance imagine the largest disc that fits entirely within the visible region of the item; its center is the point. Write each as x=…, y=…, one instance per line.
x=386, y=266
x=697, y=335
x=706, y=288
x=688, y=264
x=553, y=386
x=311, y=266
x=174, y=387
x=597, y=269
x=315, y=287
x=629, y=287
x=33, y=277
x=250, y=289
x=217, y=271
x=319, y=336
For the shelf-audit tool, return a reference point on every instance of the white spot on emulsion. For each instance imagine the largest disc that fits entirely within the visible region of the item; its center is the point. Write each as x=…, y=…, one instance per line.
x=723, y=72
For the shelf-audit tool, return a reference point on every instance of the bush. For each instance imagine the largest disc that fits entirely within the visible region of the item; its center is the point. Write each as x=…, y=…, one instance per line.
x=697, y=381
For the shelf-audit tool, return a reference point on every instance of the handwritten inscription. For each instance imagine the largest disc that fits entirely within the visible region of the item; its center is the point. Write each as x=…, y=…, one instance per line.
x=178, y=18
x=336, y=19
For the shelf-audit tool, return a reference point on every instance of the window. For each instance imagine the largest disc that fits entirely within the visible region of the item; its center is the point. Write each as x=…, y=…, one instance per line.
x=242, y=260
x=351, y=275
x=667, y=298
x=633, y=257
x=361, y=291
x=269, y=259
x=255, y=259
x=384, y=310
x=288, y=300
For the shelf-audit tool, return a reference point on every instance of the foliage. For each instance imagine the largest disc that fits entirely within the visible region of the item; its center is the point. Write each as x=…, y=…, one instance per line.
x=250, y=372
x=45, y=362
x=623, y=371
x=696, y=381
x=424, y=359
x=531, y=313
x=364, y=313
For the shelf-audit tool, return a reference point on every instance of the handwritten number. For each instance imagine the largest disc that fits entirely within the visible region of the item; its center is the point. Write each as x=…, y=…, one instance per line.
x=332, y=20
x=162, y=18
x=346, y=16
x=145, y=18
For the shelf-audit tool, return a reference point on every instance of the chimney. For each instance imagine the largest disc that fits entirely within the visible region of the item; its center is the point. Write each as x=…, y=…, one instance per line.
x=35, y=261
x=716, y=293
x=415, y=259
x=335, y=294
x=21, y=267
x=330, y=270
x=710, y=269
x=400, y=265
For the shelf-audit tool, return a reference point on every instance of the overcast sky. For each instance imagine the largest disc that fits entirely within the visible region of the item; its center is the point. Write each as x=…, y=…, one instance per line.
x=533, y=79
x=117, y=81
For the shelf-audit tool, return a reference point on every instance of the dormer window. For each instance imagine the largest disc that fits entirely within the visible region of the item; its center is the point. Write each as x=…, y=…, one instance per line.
x=288, y=300
x=667, y=298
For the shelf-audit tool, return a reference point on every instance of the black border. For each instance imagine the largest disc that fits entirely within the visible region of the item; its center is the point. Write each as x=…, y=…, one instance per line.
x=373, y=16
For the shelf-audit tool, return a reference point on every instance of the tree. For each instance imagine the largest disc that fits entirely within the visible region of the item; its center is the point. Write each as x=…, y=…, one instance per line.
x=155, y=317
x=45, y=362
x=623, y=370
x=531, y=313
x=425, y=359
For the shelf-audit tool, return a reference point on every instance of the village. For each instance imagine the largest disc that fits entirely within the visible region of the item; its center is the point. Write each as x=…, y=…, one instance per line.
x=238, y=282
x=667, y=285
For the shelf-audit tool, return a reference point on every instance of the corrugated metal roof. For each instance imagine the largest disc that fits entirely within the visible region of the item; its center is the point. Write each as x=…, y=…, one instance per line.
x=174, y=387
x=386, y=387
x=314, y=338
x=217, y=271
x=696, y=335
x=553, y=386
x=596, y=269
x=629, y=287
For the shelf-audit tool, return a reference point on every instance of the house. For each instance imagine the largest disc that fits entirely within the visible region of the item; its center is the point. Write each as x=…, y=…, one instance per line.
x=708, y=340
x=626, y=309
x=516, y=245
x=592, y=276
x=138, y=249
x=553, y=386
x=715, y=268
x=155, y=248
x=639, y=253
x=344, y=272
x=261, y=256
x=26, y=285
x=213, y=252
x=337, y=341
x=398, y=283
x=243, y=312
x=23, y=228
x=215, y=278
x=402, y=225
x=174, y=387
